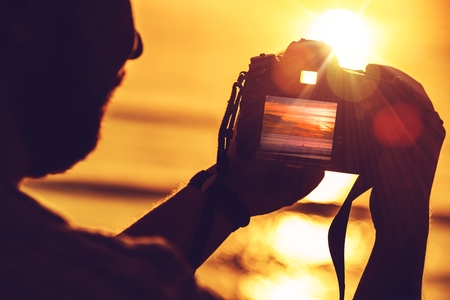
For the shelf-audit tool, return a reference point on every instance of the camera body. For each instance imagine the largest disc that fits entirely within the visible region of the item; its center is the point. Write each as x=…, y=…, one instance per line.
x=303, y=108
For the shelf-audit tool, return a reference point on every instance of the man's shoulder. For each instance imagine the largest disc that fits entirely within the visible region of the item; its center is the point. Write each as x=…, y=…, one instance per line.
x=42, y=254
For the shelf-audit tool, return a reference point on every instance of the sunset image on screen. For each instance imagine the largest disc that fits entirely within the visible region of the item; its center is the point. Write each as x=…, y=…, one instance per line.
x=298, y=127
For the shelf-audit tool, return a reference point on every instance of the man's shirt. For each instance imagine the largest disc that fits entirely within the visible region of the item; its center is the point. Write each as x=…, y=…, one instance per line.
x=42, y=257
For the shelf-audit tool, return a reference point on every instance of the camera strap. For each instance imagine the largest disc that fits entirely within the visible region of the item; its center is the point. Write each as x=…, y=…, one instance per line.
x=226, y=130
x=338, y=230
x=218, y=194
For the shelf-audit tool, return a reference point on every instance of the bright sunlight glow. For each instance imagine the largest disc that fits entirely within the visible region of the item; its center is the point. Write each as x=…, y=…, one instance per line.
x=347, y=34
x=333, y=188
x=293, y=232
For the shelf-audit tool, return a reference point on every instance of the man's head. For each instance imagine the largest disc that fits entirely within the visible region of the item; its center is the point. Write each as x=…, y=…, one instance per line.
x=64, y=58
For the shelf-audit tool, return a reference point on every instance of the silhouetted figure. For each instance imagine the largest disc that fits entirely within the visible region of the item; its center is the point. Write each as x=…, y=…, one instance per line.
x=60, y=61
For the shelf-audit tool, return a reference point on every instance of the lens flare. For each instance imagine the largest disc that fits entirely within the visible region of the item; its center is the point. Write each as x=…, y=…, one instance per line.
x=346, y=32
x=398, y=126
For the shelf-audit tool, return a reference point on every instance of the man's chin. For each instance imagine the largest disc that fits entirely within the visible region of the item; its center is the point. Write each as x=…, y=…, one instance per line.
x=53, y=166
x=50, y=155
x=49, y=165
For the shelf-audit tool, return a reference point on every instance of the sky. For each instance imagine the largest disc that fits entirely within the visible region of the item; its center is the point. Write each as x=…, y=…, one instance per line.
x=194, y=51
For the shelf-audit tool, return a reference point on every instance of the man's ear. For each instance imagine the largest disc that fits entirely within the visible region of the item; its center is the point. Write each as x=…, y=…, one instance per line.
x=22, y=20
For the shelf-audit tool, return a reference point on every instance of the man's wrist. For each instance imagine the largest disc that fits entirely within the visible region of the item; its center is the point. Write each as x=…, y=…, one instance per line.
x=199, y=179
x=225, y=199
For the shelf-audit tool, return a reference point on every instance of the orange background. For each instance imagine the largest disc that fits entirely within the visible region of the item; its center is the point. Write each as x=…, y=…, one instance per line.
x=162, y=124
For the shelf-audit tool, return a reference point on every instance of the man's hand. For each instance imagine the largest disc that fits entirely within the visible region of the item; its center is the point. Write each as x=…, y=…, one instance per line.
x=266, y=186
x=409, y=134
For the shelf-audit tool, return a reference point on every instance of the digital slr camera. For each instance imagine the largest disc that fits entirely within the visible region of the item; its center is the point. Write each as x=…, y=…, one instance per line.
x=302, y=108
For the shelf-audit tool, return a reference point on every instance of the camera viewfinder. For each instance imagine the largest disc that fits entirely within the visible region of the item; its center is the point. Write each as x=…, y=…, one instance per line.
x=308, y=77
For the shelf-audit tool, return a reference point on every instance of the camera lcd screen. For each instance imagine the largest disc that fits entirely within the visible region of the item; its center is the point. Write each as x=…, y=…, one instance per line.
x=298, y=128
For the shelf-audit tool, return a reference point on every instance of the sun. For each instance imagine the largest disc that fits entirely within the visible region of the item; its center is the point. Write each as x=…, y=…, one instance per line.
x=347, y=33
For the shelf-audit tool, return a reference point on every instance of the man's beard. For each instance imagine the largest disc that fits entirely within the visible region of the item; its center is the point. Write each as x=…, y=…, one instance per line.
x=59, y=112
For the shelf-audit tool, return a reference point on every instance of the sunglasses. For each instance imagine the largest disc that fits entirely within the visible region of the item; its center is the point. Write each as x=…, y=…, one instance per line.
x=137, y=46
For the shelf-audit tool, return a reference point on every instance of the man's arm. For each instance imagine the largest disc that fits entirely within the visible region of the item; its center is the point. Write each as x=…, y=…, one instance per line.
x=177, y=220
x=261, y=187
x=399, y=203
x=401, y=219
